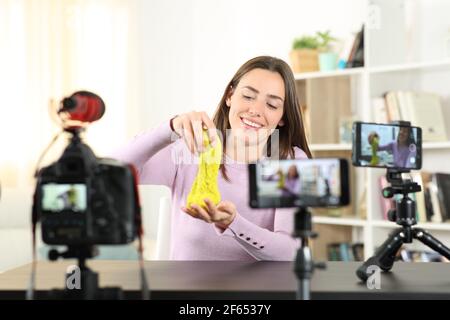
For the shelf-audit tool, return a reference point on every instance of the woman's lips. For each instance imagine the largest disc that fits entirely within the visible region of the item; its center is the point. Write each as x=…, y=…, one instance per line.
x=248, y=124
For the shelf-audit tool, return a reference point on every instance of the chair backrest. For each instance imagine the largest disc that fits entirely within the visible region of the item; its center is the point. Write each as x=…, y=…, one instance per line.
x=156, y=215
x=164, y=230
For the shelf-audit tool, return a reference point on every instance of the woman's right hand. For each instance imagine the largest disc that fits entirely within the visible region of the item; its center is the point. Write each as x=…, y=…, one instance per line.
x=190, y=127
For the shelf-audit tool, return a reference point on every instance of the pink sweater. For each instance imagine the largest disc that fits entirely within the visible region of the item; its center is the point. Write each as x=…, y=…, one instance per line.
x=255, y=234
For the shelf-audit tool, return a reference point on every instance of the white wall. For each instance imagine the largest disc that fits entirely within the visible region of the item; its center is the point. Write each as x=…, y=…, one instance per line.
x=187, y=51
x=191, y=49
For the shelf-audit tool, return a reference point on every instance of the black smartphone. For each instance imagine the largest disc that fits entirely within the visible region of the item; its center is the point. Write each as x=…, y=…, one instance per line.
x=299, y=183
x=395, y=146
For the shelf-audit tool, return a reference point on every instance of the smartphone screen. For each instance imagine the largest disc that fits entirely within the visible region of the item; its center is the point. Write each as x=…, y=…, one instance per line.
x=297, y=183
x=64, y=197
x=387, y=146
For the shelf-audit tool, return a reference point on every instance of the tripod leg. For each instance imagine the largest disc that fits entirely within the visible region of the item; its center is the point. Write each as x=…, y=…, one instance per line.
x=385, y=255
x=304, y=289
x=304, y=268
x=430, y=241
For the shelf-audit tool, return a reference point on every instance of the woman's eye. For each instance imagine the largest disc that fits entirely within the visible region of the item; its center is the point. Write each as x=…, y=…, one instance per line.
x=247, y=97
x=271, y=106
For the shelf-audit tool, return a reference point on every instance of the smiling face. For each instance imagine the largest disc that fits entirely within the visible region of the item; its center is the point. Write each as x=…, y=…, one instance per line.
x=403, y=135
x=292, y=172
x=256, y=105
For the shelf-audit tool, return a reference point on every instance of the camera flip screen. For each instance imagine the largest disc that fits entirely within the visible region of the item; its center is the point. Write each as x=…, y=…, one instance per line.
x=295, y=183
x=386, y=146
x=64, y=197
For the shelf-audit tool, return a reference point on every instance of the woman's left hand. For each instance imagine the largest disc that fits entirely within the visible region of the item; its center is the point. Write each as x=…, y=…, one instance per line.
x=221, y=215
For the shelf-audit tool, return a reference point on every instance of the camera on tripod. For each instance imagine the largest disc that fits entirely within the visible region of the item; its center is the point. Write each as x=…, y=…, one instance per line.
x=82, y=200
x=300, y=183
x=397, y=147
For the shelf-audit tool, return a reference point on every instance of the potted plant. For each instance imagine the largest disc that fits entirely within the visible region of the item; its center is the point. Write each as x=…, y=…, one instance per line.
x=328, y=60
x=304, y=54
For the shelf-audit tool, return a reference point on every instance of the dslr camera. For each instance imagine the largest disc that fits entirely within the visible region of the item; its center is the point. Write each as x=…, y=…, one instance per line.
x=82, y=200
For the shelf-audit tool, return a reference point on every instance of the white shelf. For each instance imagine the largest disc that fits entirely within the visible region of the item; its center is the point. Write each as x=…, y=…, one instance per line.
x=339, y=221
x=331, y=147
x=423, y=225
x=410, y=66
x=436, y=145
x=373, y=80
x=326, y=74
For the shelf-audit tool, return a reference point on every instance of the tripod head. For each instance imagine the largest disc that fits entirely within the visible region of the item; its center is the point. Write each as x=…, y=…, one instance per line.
x=405, y=212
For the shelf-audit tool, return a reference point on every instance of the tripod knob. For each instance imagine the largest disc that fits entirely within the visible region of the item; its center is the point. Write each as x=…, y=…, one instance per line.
x=53, y=255
x=392, y=215
x=388, y=192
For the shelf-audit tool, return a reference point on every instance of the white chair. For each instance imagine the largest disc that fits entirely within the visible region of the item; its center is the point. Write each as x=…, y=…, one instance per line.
x=156, y=218
x=15, y=227
x=164, y=230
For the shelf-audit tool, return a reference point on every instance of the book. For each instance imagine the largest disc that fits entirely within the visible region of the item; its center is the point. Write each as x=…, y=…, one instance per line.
x=356, y=57
x=358, y=251
x=420, y=199
x=333, y=252
x=442, y=181
x=437, y=215
x=426, y=178
x=345, y=251
x=403, y=101
x=346, y=50
x=409, y=255
x=380, y=113
x=424, y=110
x=392, y=108
x=428, y=204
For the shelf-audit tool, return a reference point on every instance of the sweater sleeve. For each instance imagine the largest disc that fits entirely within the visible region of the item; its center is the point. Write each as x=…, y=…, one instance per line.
x=263, y=244
x=386, y=147
x=153, y=154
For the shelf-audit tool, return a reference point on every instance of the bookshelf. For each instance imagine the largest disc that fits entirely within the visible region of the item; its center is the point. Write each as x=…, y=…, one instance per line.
x=397, y=56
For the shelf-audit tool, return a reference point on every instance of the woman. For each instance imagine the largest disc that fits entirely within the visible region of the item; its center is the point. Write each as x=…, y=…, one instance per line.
x=291, y=185
x=403, y=149
x=260, y=98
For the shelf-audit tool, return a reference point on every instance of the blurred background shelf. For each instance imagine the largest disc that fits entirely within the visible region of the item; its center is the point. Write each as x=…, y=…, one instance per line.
x=394, y=60
x=329, y=74
x=445, y=63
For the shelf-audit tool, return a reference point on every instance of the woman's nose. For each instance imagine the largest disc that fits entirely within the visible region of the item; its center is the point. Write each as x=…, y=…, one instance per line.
x=257, y=108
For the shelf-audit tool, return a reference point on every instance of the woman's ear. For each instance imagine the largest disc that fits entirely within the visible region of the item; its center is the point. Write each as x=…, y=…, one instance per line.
x=281, y=123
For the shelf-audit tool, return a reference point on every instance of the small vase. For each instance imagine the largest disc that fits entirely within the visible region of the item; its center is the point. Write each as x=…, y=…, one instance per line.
x=328, y=61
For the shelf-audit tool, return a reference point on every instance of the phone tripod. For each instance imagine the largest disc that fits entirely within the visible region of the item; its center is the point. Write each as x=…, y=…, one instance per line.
x=404, y=215
x=304, y=264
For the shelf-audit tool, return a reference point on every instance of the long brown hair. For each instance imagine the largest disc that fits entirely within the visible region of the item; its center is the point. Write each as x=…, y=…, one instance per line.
x=292, y=133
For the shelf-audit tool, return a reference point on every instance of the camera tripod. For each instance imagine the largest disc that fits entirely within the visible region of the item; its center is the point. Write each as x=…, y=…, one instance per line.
x=88, y=287
x=404, y=215
x=304, y=265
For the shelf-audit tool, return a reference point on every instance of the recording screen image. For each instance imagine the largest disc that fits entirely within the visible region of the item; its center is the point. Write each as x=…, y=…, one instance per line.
x=299, y=182
x=387, y=146
x=64, y=197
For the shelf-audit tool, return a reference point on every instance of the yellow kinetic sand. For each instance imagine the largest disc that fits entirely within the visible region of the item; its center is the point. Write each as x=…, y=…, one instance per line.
x=205, y=184
x=282, y=179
